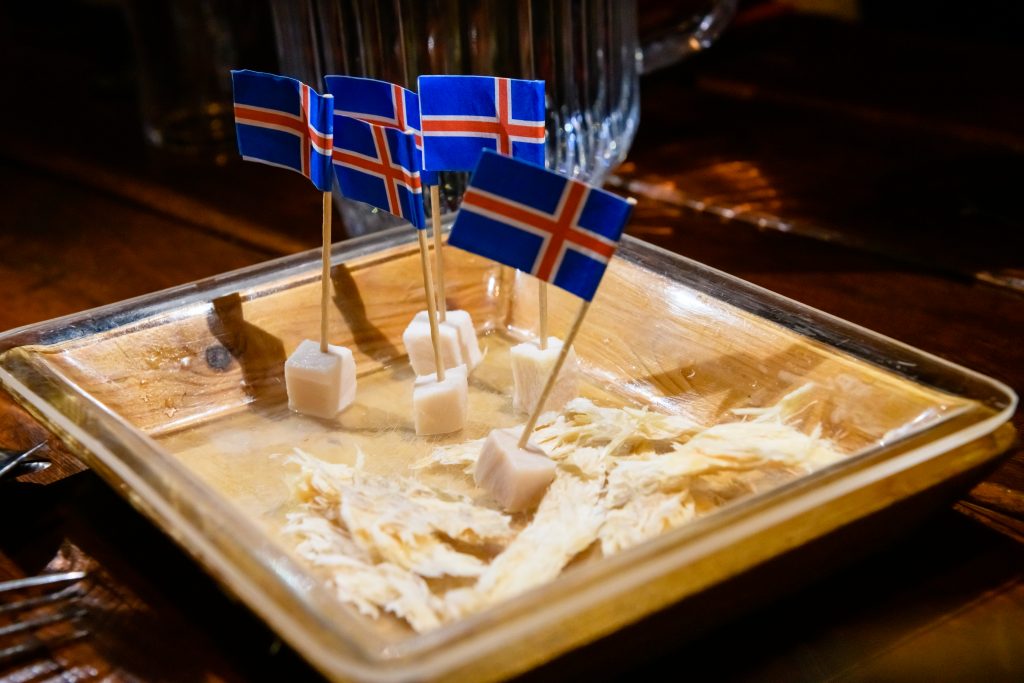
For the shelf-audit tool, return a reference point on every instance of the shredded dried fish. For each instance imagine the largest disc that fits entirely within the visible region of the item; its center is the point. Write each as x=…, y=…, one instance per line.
x=370, y=587
x=624, y=476
x=618, y=430
x=565, y=524
x=379, y=538
x=582, y=424
x=735, y=446
x=644, y=517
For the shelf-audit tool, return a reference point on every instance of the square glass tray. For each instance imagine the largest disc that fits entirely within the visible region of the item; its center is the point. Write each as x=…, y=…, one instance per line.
x=177, y=399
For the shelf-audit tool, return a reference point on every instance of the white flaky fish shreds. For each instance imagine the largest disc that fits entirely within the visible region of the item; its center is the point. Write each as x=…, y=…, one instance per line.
x=624, y=475
x=617, y=430
x=650, y=494
x=581, y=423
x=411, y=508
x=378, y=538
x=736, y=446
x=456, y=455
x=370, y=587
x=565, y=524
x=644, y=517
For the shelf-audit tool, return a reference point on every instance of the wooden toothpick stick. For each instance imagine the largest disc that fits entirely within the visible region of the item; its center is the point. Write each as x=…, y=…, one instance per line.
x=325, y=284
x=435, y=219
x=562, y=355
x=428, y=287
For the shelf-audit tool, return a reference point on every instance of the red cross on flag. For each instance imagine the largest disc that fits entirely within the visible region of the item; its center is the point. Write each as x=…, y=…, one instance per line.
x=560, y=230
x=379, y=166
x=463, y=115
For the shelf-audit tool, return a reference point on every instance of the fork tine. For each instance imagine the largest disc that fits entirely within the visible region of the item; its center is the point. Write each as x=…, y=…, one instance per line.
x=49, y=619
x=66, y=593
x=39, y=622
x=14, y=458
x=34, y=647
x=41, y=580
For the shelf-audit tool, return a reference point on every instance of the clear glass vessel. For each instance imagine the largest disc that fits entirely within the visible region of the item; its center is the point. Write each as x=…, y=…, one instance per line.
x=586, y=51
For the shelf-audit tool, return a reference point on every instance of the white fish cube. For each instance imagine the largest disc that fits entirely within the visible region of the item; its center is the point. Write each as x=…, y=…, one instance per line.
x=516, y=477
x=421, y=349
x=462, y=323
x=530, y=369
x=320, y=384
x=440, y=407
x=468, y=342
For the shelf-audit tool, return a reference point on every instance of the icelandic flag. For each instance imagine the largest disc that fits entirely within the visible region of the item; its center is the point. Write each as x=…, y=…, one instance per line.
x=283, y=122
x=462, y=115
x=379, y=166
x=560, y=230
x=379, y=102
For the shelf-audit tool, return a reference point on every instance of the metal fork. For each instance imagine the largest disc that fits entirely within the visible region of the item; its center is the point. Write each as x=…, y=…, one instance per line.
x=20, y=462
x=62, y=604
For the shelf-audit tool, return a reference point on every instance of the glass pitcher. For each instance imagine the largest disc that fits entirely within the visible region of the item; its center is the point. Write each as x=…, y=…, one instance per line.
x=586, y=51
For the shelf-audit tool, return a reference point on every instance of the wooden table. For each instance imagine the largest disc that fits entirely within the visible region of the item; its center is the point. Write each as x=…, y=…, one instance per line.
x=807, y=178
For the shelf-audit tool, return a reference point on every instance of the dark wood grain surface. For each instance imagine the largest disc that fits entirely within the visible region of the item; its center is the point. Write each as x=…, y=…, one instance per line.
x=836, y=193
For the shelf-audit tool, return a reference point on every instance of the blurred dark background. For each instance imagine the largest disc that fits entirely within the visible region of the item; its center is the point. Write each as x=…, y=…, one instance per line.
x=894, y=127
x=864, y=157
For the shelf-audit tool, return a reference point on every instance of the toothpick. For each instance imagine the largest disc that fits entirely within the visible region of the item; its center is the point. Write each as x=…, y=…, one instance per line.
x=428, y=287
x=435, y=219
x=325, y=277
x=524, y=438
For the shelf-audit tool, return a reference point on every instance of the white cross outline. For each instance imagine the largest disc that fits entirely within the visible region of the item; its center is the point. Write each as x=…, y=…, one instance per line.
x=469, y=203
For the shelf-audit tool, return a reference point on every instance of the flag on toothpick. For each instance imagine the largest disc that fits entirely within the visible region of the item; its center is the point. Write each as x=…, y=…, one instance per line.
x=385, y=104
x=462, y=115
x=283, y=122
x=373, y=101
x=379, y=166
x=559, y=230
